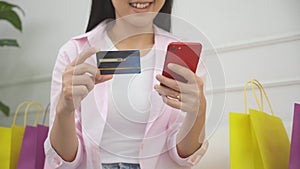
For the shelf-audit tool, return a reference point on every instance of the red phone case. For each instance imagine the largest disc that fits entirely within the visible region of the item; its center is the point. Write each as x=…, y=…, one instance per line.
x=186, y=54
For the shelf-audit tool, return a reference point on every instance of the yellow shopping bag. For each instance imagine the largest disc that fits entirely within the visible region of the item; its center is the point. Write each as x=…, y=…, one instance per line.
x=258, y=140
x=5, y=142
x=11, y=140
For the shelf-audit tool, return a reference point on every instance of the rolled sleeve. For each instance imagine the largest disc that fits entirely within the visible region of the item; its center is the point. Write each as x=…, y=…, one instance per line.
x=56, y=162
x=53, y=160
x=190, y=161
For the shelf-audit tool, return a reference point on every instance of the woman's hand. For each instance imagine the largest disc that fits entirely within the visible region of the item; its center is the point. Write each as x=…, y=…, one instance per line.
x=78, y=80
x=188, y=97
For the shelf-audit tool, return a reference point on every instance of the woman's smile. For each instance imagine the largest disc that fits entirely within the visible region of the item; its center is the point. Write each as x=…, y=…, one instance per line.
x=140, y=6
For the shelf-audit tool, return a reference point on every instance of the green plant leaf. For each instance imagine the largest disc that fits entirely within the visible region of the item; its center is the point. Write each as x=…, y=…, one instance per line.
x=7, y=6
x=7, y=13
x=4, y=108
x=12, y=17
x=9, y=42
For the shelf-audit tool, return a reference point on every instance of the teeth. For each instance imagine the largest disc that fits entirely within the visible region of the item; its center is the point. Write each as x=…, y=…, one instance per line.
x=140, y=5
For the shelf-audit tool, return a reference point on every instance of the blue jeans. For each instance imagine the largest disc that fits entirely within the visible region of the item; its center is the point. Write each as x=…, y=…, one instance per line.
x=120, y=166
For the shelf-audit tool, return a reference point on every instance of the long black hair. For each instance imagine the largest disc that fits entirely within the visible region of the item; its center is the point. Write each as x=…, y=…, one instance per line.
x=104, y=9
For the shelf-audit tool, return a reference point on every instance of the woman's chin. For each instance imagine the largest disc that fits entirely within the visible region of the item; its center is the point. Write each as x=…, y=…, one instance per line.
x=140, y=20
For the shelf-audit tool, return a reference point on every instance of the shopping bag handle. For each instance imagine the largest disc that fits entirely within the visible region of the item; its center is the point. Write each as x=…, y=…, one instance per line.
x=265, y=94
x=36, y=105
x=260, y=105
x=43, y=112
x=25, y=113
x=262, y=91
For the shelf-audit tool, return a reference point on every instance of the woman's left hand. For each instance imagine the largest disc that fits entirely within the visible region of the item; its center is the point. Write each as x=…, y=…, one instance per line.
x=188, y=97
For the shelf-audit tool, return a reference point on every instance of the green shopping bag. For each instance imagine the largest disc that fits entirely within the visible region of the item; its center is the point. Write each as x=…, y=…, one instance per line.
x=11, y=140
x=258, y=140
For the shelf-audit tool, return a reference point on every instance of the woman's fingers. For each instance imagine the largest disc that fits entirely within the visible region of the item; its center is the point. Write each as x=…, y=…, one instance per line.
x=85, y=68
x=73, y=95
x=83, y=56
x=85, y=80
x=78, y=79
x=102, y=78
x=80, y=91
x=186, y=104
x=182, y=71
x=171, y=83
x=172, y=102
x=185, y=96
x=165, y=91
x=81, y=68
x=176, y=85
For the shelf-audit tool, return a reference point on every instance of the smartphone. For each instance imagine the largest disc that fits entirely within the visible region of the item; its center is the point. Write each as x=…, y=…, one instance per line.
x=186, y=54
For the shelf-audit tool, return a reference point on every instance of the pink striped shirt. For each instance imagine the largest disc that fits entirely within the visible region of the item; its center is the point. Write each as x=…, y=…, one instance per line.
x=158, y=148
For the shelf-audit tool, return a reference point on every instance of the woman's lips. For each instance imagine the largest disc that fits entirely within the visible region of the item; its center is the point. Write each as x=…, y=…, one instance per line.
x=139, y=7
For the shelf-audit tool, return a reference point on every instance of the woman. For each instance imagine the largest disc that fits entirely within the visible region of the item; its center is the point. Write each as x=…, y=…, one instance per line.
x=124, y=121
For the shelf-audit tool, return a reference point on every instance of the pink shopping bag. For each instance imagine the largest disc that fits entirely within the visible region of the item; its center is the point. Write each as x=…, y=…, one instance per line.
x=295, y=143
x=32, y=151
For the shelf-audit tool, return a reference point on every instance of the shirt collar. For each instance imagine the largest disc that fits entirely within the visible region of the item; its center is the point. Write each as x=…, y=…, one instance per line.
x=95, y=36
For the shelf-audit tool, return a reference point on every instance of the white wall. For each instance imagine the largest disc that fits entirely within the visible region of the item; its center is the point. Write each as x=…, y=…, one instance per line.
x=26, y=72
x=255, y=38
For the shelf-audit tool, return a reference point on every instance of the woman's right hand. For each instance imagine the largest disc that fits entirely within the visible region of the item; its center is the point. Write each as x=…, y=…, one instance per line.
x=78, y=80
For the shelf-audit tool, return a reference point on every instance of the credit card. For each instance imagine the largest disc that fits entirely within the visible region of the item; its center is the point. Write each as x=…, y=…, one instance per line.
x=119, y=62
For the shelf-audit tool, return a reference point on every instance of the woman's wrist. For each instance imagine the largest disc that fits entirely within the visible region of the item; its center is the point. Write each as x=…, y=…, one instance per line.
x=63, y=108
